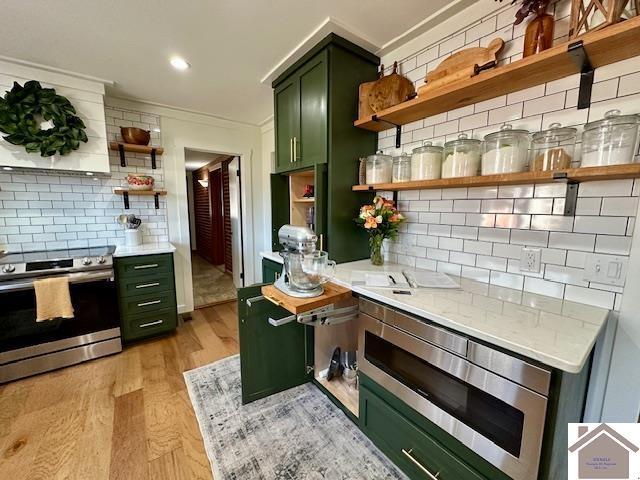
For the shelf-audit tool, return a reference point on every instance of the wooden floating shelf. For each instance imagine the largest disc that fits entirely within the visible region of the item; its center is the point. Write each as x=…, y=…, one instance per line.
x=122, y=191
x=586, y=174
x=332, y=293
x=133, y=148
x=612, y=44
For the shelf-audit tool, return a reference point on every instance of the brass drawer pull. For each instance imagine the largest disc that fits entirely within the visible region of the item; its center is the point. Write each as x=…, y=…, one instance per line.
x=147, y=285
x=151, y=324
x=153, y=302
x=150, y=265
x=419, y=465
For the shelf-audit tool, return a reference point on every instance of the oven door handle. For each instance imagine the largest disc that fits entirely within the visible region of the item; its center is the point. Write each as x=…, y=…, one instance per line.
x=74, y=278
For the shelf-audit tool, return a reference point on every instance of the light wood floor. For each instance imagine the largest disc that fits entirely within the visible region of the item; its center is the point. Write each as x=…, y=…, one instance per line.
x=127, y=416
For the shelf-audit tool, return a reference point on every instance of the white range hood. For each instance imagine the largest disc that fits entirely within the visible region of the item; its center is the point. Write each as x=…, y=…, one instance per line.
x=85, y=94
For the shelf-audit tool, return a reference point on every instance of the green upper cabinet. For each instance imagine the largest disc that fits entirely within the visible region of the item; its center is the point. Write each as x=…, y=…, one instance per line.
x=316, y=103
x=301, y=106
x=287, y=108
x=311, y=147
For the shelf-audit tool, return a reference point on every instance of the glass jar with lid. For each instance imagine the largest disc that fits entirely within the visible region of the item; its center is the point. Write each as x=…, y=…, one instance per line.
x=505, y=151
x=611, y=141
x=401, y=171
x=379, y=168
x=553, y=148
x=461, y=157
x=426, y=162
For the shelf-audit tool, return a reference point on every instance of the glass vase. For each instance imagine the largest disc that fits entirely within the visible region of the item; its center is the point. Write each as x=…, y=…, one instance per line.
x=375, y=242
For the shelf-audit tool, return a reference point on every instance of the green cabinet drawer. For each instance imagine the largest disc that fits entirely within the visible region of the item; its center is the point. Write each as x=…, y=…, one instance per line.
x=132, y=267
x=145, y=284
x=150, y=302
x=409, y=447
x=149, y=324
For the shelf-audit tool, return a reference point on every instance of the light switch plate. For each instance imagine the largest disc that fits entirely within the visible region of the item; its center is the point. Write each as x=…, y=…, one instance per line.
x=606, y=269
x=530, y=259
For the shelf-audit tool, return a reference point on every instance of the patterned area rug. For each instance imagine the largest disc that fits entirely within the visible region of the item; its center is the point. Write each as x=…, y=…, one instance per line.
x=297, y=434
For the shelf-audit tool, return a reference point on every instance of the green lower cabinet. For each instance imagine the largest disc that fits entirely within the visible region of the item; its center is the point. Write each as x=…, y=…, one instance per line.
x=270, y=270
x=411, y=449
x=393, y=426
x=272, y=359
x=147, y=296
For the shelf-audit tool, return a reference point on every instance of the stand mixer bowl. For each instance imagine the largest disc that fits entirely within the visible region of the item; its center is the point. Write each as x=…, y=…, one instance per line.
x=308, y=271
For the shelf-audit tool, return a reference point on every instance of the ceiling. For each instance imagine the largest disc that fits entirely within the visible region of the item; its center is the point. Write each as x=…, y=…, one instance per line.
x=194, y=160
x=231, y=44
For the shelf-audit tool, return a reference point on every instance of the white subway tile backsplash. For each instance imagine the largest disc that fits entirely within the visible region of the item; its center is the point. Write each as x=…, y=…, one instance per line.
x=590, y=296
x=617, y=245
x=530, y=238
x=492, y=224
x=572, y=241
x=620, y=206
x=483, y=248
x=605, y=225
x=508, y=280
x=544, y=287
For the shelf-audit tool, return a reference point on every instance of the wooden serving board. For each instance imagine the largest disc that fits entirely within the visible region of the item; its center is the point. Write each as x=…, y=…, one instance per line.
x=462, y=65
x=332, y=293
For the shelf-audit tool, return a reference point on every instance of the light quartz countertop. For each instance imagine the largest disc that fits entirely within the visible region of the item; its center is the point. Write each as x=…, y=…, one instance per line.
x=555, y=332
x=144, y=249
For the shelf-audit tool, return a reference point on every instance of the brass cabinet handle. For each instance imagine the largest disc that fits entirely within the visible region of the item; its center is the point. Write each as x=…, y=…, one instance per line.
x=150, y=265
x=153, y=302
x=151, y=324
x=321, y=241
x=419, y=465
x=291, y=150
x=295, y=149
x=147, y=285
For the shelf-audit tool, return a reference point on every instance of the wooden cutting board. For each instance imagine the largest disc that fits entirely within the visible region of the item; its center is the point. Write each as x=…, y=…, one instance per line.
x=390, y=90
x=463, y=65
x=332, y=293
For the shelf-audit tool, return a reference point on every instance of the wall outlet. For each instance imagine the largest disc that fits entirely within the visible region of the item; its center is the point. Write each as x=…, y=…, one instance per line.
x=530, y=260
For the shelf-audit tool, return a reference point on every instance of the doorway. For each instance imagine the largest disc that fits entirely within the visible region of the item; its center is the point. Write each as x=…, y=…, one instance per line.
x=213, y=194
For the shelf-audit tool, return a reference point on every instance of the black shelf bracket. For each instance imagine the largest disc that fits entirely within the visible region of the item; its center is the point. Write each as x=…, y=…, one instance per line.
x=579, y=56
x=156, y=200
x=571, y=194
x=153, y=159
x=125, y=197
x=398, y=129
x=123, y=161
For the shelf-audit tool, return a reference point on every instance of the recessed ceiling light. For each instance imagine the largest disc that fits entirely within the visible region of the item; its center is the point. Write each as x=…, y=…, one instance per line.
x=7, y=168
x=179, y=63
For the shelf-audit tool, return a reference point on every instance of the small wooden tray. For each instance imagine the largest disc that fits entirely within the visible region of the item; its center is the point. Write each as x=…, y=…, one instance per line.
x=332, y=293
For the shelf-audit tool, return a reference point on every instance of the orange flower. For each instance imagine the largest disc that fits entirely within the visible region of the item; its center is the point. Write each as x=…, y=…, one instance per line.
x=370, y=222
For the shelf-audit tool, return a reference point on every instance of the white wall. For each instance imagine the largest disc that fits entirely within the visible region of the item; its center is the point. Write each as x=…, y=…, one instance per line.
x=478, y=232
x=263, y=194
x=191, y=207
x=87, y=96
x=181, y=130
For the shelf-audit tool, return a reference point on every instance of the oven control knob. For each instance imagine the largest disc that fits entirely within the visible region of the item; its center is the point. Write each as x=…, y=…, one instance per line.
x=101, y=260
x=8, y=269
x=86, y=261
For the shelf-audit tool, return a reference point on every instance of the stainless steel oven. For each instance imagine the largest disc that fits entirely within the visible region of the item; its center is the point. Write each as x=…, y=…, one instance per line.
x=28, y=347
x=492, y=402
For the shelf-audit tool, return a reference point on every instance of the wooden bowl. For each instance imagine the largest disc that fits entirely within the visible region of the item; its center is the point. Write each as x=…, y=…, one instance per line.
x=136, y=136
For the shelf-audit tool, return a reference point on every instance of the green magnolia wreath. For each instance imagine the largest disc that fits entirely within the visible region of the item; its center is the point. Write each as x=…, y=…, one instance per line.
x=21, y=110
